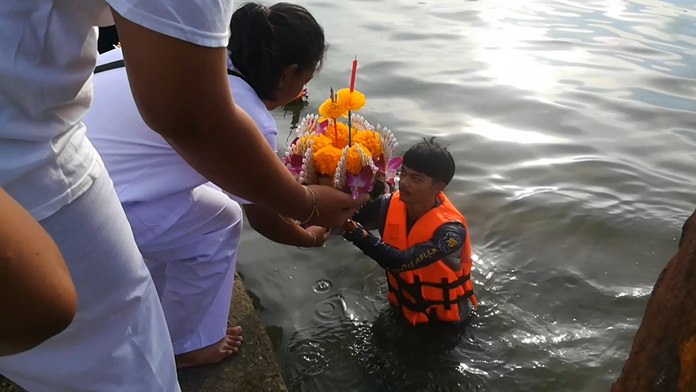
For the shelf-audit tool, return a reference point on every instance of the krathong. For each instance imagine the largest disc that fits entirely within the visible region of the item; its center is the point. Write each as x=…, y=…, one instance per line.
x=341, y=148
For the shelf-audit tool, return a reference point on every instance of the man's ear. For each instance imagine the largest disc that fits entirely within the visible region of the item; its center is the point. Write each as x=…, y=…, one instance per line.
x=286, y=76
x=439, y=186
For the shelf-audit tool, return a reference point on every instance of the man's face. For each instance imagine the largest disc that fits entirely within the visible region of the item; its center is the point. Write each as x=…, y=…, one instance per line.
x=416, y=187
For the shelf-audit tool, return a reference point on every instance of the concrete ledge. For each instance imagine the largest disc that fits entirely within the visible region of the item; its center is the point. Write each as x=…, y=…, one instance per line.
x=253, y=369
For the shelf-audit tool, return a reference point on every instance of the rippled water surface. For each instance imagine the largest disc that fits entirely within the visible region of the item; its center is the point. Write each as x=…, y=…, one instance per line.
x=573, y=124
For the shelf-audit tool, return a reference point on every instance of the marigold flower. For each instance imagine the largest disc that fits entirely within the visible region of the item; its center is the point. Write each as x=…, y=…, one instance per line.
x=321, y=141
x=338, y=134
x=369, y=140
x=326, y=160
x=351, y=101
x=332, y=109
x=353, y=161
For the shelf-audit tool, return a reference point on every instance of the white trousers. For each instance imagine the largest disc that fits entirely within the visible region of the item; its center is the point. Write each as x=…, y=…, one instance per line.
x=189, y=241
x=118, y=340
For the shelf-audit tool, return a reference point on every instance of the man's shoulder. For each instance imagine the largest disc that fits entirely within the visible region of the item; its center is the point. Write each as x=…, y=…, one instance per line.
x=450, y=236
x=453, y=213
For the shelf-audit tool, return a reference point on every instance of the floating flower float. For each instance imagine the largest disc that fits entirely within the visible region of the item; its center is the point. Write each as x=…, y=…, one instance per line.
x=341, y=148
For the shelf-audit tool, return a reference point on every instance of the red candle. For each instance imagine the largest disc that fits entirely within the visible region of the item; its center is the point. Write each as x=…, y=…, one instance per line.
x=353, y=74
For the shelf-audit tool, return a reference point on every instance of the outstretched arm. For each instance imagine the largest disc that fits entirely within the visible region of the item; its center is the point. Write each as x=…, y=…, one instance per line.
x=181, y=90
x=447, y=241
x=37, y=296
x=274, y=228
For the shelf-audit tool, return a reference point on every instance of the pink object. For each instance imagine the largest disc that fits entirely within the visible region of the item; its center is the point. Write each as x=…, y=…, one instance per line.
x=388, y=169
x=362, y=183
x=293, y=163
x=322, y=127
x=353, y=74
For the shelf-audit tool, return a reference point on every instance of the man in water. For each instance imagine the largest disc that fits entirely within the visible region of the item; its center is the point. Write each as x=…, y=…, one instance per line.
x=424, y=246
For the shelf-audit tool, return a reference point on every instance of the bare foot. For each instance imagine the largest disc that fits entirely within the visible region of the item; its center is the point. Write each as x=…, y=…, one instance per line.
x=214, y=353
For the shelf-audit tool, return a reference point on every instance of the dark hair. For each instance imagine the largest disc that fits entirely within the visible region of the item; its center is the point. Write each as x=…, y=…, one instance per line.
x=266, y=40
x=432, y=159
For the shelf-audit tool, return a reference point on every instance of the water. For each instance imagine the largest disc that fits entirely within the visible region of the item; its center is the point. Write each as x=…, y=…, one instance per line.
x=573, y=124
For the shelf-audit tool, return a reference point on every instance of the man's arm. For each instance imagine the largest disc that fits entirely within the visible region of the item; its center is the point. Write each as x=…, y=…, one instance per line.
x=368, y=214
x=271, y=226
x=181, y=90
x=447, y=240
x=37, y=296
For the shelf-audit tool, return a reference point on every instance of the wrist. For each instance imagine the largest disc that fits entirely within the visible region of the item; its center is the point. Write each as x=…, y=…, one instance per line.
x=357, y=233
x=306, y=210
x=299, y=202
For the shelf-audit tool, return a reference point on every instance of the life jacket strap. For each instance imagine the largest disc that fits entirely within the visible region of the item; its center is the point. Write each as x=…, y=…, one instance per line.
x=420, y=304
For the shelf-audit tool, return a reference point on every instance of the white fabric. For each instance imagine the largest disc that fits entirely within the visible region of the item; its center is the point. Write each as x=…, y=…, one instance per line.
x=186, y=228
x=118, y=340
x=202, y=22
x=192, y=261
x=246, y=98
x=48, y=54
x=141, y=163
x=46, y=61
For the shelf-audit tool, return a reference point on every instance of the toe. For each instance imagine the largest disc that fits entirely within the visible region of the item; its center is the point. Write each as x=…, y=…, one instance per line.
x=235, y=330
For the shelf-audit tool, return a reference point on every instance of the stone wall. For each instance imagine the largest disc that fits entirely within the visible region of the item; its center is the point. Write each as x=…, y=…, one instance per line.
x=663, y=356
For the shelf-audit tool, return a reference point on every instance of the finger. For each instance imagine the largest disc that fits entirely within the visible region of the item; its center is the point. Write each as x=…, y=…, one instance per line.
x=363, y=198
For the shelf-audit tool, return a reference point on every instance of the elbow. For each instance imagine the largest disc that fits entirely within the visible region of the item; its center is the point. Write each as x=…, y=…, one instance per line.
x=166, y=123
x=58, y=318
x=64, y=313
x=183, y=118
x=31, y=333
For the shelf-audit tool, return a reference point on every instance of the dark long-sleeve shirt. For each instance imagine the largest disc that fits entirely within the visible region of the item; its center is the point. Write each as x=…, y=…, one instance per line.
x=445, y=244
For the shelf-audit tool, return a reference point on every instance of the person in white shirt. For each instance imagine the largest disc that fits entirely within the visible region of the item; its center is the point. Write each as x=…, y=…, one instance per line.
x=176, y=62
x=186, y=228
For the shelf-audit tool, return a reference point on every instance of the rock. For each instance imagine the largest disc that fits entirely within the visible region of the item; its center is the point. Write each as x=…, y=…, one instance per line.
x=663, y=356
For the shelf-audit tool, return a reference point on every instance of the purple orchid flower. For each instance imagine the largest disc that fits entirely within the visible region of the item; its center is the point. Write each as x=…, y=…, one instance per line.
x=322, y=127
x=389, y=170
x=362, y=183
x=293, y=163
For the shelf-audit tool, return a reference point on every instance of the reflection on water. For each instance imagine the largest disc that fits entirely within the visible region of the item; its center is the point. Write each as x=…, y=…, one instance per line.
x=574, y=130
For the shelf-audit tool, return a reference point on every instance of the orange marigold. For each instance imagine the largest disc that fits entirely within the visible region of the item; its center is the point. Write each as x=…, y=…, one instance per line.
x=326, y=160
x=351, y=101
x=321, y=141
x=353, y=162
x=370, y=140
x=338, y=134
x=332, y=109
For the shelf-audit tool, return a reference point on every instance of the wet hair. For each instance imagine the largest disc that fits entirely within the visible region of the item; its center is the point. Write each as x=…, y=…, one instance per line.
x=432, y=159
x=266, y=40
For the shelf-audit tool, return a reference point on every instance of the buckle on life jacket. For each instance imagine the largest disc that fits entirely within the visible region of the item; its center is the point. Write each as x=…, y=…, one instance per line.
x=428, y=306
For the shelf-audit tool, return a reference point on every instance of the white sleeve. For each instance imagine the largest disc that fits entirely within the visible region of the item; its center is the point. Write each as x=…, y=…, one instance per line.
x=201, y=22
x=270, y=135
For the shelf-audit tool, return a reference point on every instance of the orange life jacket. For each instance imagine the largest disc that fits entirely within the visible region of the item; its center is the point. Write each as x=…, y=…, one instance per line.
x=435, y=292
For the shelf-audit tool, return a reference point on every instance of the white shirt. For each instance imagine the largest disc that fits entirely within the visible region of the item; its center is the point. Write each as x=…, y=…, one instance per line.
x=142, y=165
x=48, y=51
